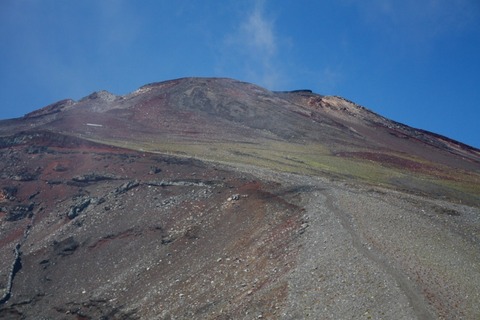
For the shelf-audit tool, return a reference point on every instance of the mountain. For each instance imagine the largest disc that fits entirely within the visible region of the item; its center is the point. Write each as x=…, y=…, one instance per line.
x=208, y=198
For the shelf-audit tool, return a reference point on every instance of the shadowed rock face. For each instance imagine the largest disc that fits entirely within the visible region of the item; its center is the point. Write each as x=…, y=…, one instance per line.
x=205, y=198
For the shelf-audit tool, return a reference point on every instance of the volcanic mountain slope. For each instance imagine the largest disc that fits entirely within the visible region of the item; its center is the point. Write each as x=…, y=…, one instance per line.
x=204, y=198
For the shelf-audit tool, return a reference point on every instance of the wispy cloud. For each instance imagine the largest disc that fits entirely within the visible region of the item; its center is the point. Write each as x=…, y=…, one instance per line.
x=258, y=32
x=253, y=48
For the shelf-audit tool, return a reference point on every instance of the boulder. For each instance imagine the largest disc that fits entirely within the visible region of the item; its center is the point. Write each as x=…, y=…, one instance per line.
x=78, y=208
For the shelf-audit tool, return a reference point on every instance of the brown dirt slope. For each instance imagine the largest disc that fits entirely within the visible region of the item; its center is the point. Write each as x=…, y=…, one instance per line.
x=215, y=199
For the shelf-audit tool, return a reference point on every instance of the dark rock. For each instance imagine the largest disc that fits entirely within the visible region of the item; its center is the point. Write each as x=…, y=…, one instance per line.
x=60, y=168
x=25, y=176
x=298, y=91
x=75, y=183
x=33, y=195
x=36, y=149
x=65, y=247
x=78, y=208
x=20, y=212
x=9, y=193
x=93, y=177
x=182, y=183
x=53, y=182
x=167, y=239
x=16, y=266
x=155, y=170
x=126, y=186
x=447, y=211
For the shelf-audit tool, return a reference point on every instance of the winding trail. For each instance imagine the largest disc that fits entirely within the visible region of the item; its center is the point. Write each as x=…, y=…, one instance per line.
x=336, y=267
x=339, y=274
x=411, y=291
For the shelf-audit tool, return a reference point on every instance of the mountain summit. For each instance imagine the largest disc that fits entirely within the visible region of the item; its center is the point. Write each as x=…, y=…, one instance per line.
x=208, y=198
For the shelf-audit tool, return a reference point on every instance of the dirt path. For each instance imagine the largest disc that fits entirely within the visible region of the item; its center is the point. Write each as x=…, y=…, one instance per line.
x=337, y=274
x=410, y=290
x=338, y=277
x=378, y=253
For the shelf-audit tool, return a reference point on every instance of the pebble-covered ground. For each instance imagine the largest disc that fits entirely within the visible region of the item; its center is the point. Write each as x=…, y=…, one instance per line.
x=372, y=253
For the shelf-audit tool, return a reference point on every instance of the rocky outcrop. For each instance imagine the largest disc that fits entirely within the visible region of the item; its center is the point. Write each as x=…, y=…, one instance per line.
x=16, y=266
x=65, y=247
x=8, y=193
x=93, y=177
x=76, y=209
x=20, y=212
x=126, y=187
x=24, y=176
x=100, y=96
x=182, y=183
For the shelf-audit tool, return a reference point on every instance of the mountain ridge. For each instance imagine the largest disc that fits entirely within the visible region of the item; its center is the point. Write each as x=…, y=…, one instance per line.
x=107, y=96
x=214, y=198
x=223, y=119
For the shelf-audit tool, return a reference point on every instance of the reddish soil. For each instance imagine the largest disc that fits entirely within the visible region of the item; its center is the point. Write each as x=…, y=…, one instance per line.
x=92, y=231
x=162, y=226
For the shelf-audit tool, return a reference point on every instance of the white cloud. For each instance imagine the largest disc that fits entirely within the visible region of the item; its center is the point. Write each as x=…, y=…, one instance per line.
x=258, y=32
x=253, y=48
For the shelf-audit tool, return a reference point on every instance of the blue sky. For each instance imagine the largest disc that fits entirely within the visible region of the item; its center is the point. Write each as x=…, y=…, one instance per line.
x=414, y=61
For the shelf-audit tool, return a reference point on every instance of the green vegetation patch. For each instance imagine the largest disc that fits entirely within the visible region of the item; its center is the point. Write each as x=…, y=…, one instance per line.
x=311, y=159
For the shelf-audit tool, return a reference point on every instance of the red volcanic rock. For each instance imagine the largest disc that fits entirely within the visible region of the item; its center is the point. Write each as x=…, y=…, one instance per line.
x=204, y=198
